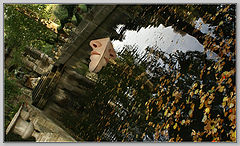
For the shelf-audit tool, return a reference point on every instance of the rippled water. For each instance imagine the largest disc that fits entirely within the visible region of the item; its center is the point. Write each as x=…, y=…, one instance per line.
x=163, y=38
x=167, y=40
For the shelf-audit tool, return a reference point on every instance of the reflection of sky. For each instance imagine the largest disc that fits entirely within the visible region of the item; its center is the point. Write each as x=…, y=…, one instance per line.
x=204, y=28
x=163, y=37
x=166, y=39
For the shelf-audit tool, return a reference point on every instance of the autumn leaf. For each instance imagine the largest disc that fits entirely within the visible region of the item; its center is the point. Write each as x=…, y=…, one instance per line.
x=175, y=126
x=220, y=23
x=147, y=117
x=225, y=9
x=196, y=91
x=195, y=85
x=183, y=122
x=204, y=118
x=167, y=126
x=221, y=89
x=191, y=94
x=165, y=113
x=233, y=135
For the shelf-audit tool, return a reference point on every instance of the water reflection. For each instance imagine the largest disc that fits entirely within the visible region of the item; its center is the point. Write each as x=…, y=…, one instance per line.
x=173, y=90
x=204, y=28
x=163, y=38
x=173, y=53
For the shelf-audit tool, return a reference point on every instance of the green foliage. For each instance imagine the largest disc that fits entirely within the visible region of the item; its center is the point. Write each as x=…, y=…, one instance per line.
x=11, y=106
x=83, y=7
x=23, y=28
x=11, y=91
x=60, y=12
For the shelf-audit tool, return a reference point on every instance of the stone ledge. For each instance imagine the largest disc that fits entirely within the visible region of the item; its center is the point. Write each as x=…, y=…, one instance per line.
x=47, y=127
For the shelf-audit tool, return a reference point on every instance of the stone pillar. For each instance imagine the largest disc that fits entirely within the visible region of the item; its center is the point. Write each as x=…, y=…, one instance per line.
x=33, y=123
x=19, y=124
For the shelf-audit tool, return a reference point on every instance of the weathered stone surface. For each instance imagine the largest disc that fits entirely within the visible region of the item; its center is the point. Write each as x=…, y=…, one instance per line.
x=37, y=61
x=80, y=79
x=60, y=97
x=49, y=131
x=101, y=15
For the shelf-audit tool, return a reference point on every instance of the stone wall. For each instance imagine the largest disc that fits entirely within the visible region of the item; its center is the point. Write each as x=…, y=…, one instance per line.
x=49, y=131
x=46, y=129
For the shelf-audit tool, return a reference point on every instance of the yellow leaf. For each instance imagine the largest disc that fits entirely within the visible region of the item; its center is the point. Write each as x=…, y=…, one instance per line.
x=192, y=106
x=224, y=104
x=158, y=93
x=201, y=106
x=147, y=117
x=196, y=91
x=225, y=9
x=183, y=121
x=167, y=126
x=231, y=105
x=112, y=61
x=220, y=23
x=175, y=126
x=165, y=113
x=150, y=123
x=204, y=118
x=188, y=121
x=215, y=130
x=233, y=134
x=207, y=110
x=195, y=85
x=230, y=40
x=221, y=89
x=225, y=99
x=227, y=74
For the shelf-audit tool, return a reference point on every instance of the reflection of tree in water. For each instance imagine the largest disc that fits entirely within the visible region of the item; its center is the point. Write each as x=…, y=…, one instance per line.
x=133, y=104
x=185, y=95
